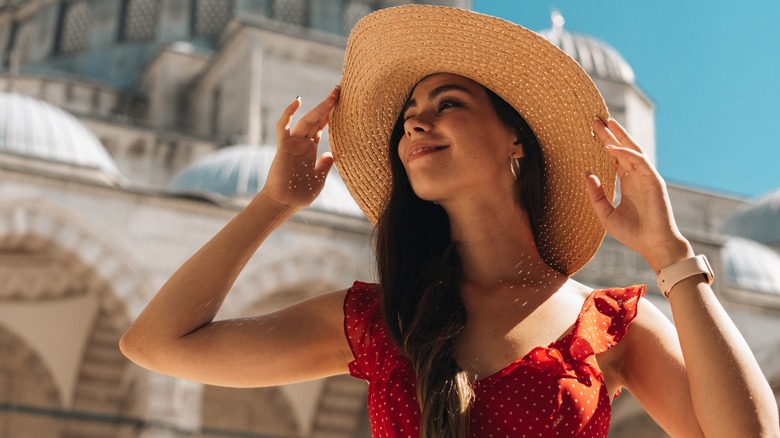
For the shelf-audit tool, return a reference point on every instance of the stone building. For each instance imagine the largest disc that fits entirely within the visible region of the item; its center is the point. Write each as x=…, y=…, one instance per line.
x=132, y=130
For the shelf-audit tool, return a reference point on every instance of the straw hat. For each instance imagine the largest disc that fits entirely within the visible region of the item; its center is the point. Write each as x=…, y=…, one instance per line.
x=390, y=50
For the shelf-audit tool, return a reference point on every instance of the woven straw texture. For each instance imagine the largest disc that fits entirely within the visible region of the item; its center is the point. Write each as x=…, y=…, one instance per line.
x=391, y=50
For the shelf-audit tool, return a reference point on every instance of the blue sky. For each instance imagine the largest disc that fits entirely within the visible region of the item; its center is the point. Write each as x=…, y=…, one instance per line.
x=711, y=68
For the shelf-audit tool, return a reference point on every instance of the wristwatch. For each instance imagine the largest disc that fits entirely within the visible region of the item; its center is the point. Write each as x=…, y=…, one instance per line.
x=673, y=274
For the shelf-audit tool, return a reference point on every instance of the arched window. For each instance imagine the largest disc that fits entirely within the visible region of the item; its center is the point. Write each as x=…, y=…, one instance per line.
x=211, y=16
x=75, y=26
x=139, y=21
x=292, y=11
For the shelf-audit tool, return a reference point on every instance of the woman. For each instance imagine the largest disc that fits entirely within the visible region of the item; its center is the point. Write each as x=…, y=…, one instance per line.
x=479, y=151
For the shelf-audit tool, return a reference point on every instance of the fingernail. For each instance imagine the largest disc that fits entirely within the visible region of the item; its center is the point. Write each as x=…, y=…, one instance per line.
x=588, y=173
x=298, y=97
x=338, y=87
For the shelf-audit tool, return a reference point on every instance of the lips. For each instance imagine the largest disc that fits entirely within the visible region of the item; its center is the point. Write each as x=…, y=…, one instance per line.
x=417, y=150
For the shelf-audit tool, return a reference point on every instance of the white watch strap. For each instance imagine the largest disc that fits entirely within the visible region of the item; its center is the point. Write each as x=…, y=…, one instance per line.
x=671, y=275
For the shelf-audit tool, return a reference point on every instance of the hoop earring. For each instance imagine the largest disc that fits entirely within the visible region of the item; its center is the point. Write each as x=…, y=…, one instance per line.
x=514, y=166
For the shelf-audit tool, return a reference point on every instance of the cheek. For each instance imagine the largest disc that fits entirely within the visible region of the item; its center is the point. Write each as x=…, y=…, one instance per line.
x=401, y=152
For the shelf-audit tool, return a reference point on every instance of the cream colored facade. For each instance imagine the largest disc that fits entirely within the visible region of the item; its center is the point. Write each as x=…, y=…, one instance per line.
x=86, y=238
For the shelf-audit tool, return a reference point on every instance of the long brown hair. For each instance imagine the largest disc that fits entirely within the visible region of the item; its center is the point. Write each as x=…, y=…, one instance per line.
x=420, y=275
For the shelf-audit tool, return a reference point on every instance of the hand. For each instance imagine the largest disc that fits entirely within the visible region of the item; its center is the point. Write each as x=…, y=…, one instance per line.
x=296, y=176
x=643, y=220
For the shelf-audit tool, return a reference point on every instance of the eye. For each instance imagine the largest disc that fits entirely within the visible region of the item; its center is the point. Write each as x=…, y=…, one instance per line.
x=447, y=103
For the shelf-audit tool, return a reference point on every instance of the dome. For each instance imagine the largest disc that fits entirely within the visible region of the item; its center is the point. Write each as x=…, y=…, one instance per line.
x=597, y=58
x=34, y=128
x=233, y=172
x=751, y=265
x=759, y=221
x=238, y=172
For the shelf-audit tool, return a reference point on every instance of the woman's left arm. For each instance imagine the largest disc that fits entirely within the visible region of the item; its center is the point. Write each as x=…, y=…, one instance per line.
x=727, y=391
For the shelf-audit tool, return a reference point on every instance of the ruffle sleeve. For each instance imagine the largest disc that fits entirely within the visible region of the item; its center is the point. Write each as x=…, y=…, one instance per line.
x=604, y=320
x=601, y=324
x=375, y=353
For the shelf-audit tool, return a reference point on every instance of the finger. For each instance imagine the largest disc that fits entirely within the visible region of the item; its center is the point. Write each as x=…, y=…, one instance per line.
x=317, y=135
x=283, y=126
x=605, y=136
x=598, y=199
x=323, y=165
x=620, y=133
x=630, y=159
x=319, y=124
x=317, y=118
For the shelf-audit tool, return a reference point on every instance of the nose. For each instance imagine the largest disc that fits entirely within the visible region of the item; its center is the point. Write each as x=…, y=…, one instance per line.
x=419, y=123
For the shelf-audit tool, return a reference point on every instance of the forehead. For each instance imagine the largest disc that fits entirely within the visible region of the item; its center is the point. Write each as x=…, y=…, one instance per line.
x=437, y=80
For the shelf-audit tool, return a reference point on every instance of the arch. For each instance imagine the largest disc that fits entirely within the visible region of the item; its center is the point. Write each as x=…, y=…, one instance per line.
x=33, y=224
x=87, y=308
x=297, y=276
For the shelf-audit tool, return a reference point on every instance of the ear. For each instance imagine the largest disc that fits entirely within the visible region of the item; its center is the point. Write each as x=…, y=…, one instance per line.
x=517, y=150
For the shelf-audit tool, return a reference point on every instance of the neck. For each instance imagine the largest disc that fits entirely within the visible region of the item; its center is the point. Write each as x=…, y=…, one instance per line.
x=496, y=246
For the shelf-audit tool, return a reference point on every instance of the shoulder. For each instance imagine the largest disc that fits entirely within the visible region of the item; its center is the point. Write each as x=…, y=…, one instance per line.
x=652, y=335
x=575, y=288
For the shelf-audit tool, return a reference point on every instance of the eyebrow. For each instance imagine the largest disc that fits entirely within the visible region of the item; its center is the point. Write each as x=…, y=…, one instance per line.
x=435, y=92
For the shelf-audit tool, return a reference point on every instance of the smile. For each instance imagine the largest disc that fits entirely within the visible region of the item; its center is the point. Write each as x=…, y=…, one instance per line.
x=421, y=150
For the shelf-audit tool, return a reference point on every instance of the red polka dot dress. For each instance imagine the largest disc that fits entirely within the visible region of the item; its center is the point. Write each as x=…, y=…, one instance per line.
x=552, y=391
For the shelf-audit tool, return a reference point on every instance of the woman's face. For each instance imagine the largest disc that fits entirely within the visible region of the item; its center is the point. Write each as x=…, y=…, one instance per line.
x=455, y=147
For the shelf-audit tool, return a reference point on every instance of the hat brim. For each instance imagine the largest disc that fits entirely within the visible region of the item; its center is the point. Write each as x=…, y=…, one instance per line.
x=391, y=50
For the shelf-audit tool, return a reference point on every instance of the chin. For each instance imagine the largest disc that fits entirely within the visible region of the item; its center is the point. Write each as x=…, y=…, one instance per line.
x=429, y=198
x=429, y=192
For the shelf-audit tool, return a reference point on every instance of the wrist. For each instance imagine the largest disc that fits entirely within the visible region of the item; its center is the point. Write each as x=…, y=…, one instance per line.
x=267, y=203
x=684, y=271
x=668, y=255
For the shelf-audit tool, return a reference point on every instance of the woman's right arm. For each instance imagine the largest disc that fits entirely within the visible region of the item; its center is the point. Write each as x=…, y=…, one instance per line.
x=176, y=334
